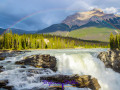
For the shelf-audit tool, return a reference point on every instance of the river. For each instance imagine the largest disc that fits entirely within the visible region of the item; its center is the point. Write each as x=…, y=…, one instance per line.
x=69, y=61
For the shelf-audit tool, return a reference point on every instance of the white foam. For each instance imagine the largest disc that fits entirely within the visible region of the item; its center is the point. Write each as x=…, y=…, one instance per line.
x=82, y=62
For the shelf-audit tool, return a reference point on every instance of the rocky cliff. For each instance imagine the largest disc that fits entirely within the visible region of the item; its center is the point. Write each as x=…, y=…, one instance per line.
x=111, y=59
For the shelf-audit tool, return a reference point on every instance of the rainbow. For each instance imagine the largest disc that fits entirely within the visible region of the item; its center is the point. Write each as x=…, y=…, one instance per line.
x=115, y=28
x=35, y=13
x=38, y=12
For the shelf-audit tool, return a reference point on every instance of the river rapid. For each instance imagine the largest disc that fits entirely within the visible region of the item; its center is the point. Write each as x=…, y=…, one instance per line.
x=69, y=61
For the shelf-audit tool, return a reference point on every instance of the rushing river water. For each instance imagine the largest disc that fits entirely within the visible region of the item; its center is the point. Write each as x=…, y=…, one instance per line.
x=71, y=61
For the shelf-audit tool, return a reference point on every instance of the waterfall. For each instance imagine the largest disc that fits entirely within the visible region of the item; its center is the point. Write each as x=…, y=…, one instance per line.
x=73, y=61
x=88, y=64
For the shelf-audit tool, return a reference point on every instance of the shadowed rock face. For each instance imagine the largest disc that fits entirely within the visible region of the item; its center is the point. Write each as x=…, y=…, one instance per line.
x=85, y=81
x=111, y=59
x=40, y=61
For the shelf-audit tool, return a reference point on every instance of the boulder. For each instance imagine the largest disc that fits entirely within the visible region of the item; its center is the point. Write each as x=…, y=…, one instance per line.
x=111, y=59
x=40, y=61
x=1, y=69
x=23, y=66
x=8, y=87
x=8, y=61
x=85, y=81
x=3, y=85
x=2, y=58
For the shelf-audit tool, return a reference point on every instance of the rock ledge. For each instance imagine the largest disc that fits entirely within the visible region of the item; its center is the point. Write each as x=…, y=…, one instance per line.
x=85, y=81
x=40, y=61
x=111, y=59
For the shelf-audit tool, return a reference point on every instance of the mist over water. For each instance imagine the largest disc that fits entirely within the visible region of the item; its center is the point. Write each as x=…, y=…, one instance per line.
x=72, y=61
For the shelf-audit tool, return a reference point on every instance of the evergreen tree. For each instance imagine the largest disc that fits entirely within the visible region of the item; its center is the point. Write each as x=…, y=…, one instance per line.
x=111, y=41
x=117, y=42
x=37, y=41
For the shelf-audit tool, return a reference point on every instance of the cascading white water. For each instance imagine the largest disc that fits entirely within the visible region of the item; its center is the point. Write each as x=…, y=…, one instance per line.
x=74, y=61
x=88, y=64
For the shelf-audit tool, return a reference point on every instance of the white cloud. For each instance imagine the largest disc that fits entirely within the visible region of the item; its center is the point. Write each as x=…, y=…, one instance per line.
x=81, y=5
x=111, y=10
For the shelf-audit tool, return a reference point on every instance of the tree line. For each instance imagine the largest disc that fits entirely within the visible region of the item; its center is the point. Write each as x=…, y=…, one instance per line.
x=115, y=41
x=44, y=41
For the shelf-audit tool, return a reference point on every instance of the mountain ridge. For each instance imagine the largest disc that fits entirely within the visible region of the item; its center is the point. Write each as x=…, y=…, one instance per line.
x=95, y=17
x=17, y=31
x=81, y=18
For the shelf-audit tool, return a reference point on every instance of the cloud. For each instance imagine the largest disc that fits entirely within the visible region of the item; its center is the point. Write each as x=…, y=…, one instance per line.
x=52, y=11
x=81, y=5
x=111, y=10
x=13, y=10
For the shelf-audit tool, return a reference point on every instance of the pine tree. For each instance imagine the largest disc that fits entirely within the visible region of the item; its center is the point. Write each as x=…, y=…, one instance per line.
x=35, y=41
x=20, y=43
x=117, y=42
x=111, y=41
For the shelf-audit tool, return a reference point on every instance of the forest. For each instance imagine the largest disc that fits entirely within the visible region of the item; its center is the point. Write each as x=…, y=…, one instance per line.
x=45, y=41
x=115, y=41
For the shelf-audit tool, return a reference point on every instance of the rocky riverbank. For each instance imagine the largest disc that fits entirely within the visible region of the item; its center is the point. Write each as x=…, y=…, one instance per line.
x=111, y=59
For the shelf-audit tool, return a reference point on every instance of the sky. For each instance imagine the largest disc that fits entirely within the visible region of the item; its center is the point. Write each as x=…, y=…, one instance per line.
x=39, y=14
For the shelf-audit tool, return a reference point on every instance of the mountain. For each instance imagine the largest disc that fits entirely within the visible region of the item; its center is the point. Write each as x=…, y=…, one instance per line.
x=17, y=31
x=54, y=28
x=81, y=18
x=93, y=18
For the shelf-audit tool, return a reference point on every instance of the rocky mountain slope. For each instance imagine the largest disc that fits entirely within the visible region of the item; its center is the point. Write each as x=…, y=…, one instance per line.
x=93, y=18
x=96, y=16
x=55, y=27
